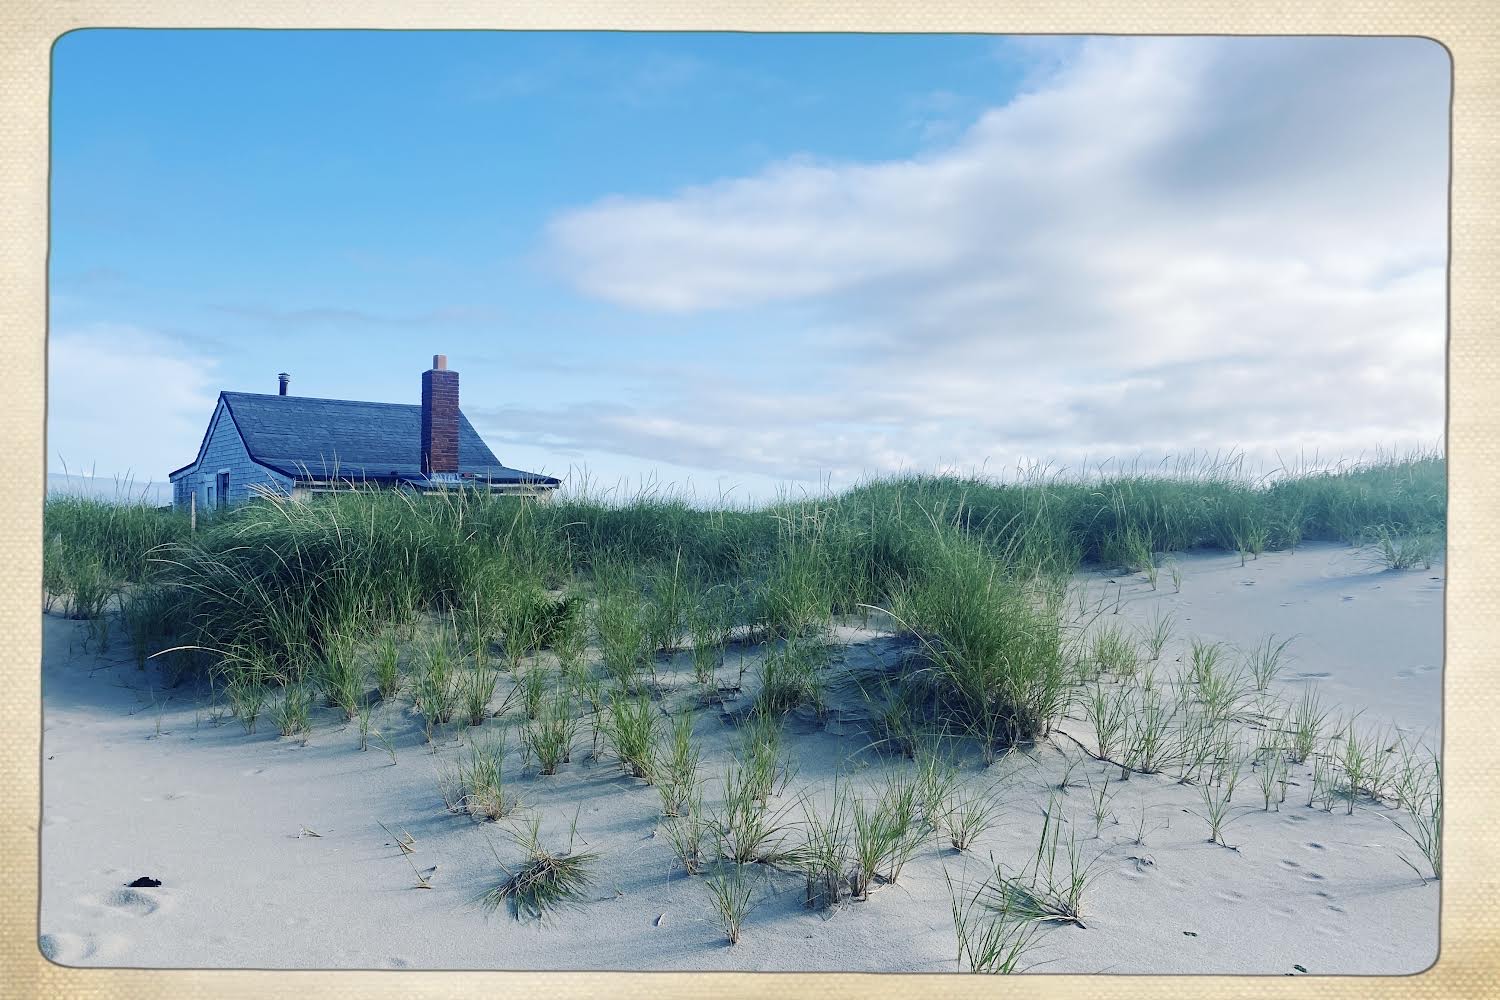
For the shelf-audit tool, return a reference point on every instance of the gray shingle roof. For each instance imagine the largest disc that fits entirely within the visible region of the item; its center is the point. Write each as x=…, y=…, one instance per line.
x=300, y=435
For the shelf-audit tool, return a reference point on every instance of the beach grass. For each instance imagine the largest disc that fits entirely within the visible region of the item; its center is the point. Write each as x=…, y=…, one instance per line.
x=747, y=829
x=730, y=891
x=1050, y=887
x=436, y=600
x=993, y=934
x=632, y=729
x=543, y=880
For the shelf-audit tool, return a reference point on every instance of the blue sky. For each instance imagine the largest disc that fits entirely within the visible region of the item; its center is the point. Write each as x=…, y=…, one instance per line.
x=744, y=261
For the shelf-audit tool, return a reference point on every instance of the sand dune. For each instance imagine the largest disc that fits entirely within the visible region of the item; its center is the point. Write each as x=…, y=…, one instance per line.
x=272, y=853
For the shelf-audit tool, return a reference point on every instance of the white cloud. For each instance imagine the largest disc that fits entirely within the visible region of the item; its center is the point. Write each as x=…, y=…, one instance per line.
x=124, y=400
x=1161, y=244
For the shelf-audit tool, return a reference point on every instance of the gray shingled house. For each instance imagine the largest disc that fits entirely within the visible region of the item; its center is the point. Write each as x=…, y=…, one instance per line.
x=296, y=446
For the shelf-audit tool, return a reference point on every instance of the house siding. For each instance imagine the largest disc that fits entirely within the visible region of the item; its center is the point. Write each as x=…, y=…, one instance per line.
x=224, y=449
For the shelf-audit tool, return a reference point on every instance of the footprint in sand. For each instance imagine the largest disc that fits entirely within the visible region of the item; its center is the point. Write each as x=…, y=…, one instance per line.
x=1315, y=845
x=1312, y=876
x=398, y=963
x=75, y=949
x=1288, y=862
x=253, y=772
x=129, y=901
x=66, y=949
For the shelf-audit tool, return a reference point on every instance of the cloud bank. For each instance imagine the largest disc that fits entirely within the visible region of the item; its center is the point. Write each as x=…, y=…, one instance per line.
x=1161, y=245
x=125, y=399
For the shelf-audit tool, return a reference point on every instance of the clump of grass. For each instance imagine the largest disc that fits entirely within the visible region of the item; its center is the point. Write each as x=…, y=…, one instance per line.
x=551, y=735
x=709, y=624
x=1415, y=776
x=825, y=855
x=1100, y=797
x=529, y=618
x=1405, y=551
x=893, y=716
x=247, y=673
x=1051, y=886
x=475, y=689
x=747, y=830
x=993, y=643
x=1140, y=554
x=1217, y=797
x=886, y=833
x=1157, y=634
x=1266, y=660
x=388, y=677
x=666, y=607
x=570, y=643
x=340, y=674
x=478, y=620
x=624, y=639
x=435, y=690
x=794, y=598
x=292, y=714
x=533, y=688
x=1307, y=719
x=730, y=892
x=993, y=935
x=935, y=779
x=967, y=816
x=247, y=694
x=767, y=766
x=677, y=770
x=790, y=676
x=544, y=880
x=1200, y=739
x=632, y=731
x=1363, y=764
x=1205, y=658
x=1114, y=653
x=687, y=832
x=1425, y=828
x=1321, y=787
x=477, y=787
x=1272, y=770
x=93, y=589
x=1223, y=692
x=147, y=612
x=1108, y=712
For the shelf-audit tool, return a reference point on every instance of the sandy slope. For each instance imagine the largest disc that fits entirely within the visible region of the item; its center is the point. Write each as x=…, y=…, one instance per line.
x=139, y=781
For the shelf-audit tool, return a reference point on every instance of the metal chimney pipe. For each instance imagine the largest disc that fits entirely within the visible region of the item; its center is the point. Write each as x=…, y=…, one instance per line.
x=285, y=380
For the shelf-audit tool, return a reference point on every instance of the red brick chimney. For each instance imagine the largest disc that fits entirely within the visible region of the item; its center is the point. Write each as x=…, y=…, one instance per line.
x=439, y=418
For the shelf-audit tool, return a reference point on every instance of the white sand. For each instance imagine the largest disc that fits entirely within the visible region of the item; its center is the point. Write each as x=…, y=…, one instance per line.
x=138, y=781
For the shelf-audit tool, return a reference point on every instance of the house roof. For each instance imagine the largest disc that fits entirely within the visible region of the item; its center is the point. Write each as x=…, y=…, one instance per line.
x=300, y=436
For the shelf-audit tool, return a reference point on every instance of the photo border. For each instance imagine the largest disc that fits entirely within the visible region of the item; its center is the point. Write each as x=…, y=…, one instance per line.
x=1468, y=964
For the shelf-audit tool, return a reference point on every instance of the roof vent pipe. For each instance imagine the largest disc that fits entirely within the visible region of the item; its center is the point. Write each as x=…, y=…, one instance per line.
x=285, y=380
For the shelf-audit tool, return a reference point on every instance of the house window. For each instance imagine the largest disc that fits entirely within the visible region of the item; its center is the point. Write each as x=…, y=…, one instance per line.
x=222, y=485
